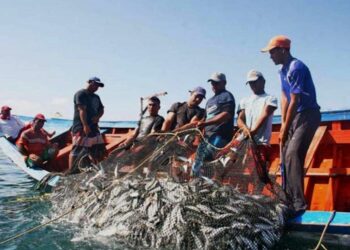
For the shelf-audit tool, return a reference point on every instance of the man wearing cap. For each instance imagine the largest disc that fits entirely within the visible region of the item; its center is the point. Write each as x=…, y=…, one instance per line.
x=256, y=111
x=148, y=124
x=300, y=116
x=218, y=126
x=183, y=115
x=10, y=125
x=255, y=115
x=86, y=137
x=34, y=145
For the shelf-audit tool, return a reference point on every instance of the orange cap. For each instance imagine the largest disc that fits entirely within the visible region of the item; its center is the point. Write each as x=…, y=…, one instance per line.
x=277, y=41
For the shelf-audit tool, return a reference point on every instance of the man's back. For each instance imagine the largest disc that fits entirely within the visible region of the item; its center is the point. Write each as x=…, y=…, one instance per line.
x=296, y=79
x=11, y=127
x=93, y=106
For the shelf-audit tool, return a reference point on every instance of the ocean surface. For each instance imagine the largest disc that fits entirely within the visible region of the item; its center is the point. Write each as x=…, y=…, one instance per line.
x=23, y=208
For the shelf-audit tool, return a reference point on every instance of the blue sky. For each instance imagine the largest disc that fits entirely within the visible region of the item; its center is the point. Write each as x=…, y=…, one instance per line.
x=50, y=48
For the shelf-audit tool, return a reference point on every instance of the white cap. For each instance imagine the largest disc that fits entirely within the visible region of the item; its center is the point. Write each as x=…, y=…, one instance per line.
x=217, y=77
x=254, y=75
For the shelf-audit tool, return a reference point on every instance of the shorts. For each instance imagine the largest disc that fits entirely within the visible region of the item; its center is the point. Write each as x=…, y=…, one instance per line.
x=93, y=145
x=47, y=155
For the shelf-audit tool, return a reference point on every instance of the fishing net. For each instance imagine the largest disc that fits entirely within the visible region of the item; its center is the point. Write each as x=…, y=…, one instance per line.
x=146, y=196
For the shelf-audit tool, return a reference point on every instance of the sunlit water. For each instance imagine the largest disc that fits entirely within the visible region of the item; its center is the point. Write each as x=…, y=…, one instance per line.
x=22, y=208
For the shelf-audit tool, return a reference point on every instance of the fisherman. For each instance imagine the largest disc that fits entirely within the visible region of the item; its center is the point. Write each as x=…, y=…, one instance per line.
x=300, y=117
x=10, y=125
x=35, y=146
x=218, y=126
x=86, y=137
x=255, y=115
x=183, y=115
x=147, y=125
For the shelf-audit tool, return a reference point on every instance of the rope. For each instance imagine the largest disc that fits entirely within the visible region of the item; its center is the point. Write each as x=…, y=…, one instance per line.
x=324, y=231
x=190, y=130
x=151, y=155
x=42, y=225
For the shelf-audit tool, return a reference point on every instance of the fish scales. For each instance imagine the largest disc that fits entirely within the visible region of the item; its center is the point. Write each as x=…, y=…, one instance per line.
x=159, y=213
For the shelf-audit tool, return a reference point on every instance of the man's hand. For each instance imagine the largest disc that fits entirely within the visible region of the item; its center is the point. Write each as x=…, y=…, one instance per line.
x=127, y=142
x=283, y=136
x=246, y=131
x=87, y=130
x=201, y=125
x=36, y=159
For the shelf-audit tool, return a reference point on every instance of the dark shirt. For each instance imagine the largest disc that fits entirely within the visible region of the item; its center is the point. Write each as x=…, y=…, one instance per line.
x=93, y=105
x=184, y=114
x=149, y=124
x=221, y=102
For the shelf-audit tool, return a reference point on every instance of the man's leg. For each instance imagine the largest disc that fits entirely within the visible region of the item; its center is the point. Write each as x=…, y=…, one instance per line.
x=201, y=154
x=206, y=151
x=302, y=131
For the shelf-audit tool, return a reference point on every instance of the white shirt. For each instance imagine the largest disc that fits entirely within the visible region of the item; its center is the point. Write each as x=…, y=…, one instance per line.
x=11, y=127
x=253, y=107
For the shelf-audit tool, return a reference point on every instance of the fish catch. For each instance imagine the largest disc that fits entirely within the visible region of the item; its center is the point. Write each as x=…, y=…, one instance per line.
x=159, y=212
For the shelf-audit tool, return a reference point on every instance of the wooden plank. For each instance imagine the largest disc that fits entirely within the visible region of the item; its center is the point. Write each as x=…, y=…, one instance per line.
x=316, y=140
x=339, y=171
x=339, y=136
x=336, y=125
x=315, y=221
x=331, y=137
x=114, y=141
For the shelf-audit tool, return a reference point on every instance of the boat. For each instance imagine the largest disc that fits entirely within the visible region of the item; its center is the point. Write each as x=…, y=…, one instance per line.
x=327, y=175
x=112, y=136
x=327, y=169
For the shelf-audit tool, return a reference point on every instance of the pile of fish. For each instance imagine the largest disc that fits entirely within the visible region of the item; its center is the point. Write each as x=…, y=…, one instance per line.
x=158, y=213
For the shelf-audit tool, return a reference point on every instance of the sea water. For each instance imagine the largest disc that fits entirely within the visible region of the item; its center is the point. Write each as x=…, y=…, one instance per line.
x=23, y=208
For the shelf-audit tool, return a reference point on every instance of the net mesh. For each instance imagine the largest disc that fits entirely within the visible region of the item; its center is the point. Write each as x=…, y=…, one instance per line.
x=146, y=197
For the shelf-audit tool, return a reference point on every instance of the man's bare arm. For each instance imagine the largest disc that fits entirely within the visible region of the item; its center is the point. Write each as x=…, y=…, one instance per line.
x=97, y=118
x=291, y=111
x=82, y=115
x=219, y=118
x=194, y=121
x=168, y=121
x=284, y=107
x=267, y=112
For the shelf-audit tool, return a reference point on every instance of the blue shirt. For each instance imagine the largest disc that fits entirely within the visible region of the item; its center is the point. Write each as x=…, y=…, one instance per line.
x=221, y=102
x=296, y=79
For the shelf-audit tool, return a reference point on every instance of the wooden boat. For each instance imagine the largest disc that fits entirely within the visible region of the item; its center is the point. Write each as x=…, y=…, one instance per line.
x=112, y=136
x=327, y=175
x=327, y=169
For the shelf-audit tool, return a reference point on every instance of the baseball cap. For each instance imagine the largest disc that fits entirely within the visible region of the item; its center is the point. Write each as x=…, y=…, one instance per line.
x=5, y=108
x=254, y=75
x=199, y=91
x=40, y=117
x=217, y=77
x=96, y=80
x=277, y=41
